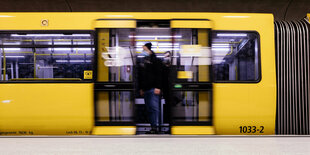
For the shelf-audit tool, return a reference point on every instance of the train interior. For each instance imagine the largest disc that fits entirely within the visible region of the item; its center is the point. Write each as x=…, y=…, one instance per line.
x=34, y=56
x=28, y=56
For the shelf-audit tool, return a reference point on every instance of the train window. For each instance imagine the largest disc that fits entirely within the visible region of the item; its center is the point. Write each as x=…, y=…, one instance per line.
x=120, y=56
x=46, y=56
x=235, y=56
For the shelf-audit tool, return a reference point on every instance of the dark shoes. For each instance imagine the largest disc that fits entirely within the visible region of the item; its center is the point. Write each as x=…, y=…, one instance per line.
x=153, y=131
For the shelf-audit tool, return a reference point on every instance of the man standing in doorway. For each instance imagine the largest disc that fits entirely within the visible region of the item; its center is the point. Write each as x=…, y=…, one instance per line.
x=150, y=83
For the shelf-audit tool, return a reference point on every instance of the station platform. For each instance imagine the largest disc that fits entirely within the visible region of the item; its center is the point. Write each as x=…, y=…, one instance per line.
x=155, y=144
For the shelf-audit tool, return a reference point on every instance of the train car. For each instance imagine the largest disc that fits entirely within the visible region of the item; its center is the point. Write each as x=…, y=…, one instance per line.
x=76, y=73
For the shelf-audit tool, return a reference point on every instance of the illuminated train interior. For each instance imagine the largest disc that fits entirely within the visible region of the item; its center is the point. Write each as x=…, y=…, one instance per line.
x=46, y=56
x=234, y=56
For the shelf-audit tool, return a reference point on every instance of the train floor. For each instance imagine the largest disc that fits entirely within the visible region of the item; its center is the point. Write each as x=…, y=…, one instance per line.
x=155, y=144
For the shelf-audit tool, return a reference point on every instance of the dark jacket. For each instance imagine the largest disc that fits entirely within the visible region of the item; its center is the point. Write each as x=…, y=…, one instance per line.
x=150, y=73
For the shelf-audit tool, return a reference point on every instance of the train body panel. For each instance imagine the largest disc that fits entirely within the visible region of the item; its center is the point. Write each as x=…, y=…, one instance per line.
x=46, y=109
x=236, y=105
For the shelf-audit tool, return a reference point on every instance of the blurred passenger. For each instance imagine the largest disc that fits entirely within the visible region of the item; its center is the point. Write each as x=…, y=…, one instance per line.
x=169, y=76
x=150, y=83
x=167, y=80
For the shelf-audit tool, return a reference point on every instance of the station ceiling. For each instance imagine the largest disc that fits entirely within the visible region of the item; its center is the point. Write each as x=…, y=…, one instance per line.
x=282, y=9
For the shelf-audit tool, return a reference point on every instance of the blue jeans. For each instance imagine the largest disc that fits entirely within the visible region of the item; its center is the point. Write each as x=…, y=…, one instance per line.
x=152, y=102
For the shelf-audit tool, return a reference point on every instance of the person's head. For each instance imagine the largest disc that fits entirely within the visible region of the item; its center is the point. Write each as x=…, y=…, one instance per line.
x=147, y=47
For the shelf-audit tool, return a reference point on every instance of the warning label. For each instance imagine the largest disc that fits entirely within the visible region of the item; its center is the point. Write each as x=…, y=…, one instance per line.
x=88, y=74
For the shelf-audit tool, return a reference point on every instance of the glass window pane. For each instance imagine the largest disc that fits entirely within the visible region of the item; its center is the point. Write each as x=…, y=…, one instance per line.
x=114, y=106
x=192, y=57
x=119, y=56
x=191, y=106
x=17, y=63
x=235, y=56
x=27, y=56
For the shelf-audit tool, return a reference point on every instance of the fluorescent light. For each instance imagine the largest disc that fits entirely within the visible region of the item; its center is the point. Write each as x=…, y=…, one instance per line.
x=190, y=55
x=69, y=49
x=11, y=49
x=11, y=43
x=83, y=43
x=61, y=61
x=61, y=43
x=168, y=44
x=155, y=36
x=162, y=46
x=221, y=49
x=231, y=34
x=77, y=61
x=49, y=35
x=13, y=56
x=220, y=45
x=161, y=49
x=80, y=35
x=155, y=43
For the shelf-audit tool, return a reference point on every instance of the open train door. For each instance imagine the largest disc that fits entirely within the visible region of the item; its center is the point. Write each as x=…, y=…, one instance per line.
x=114, y=77
x=191, y=95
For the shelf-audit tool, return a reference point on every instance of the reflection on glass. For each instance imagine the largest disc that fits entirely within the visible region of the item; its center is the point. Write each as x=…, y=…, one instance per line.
x=191, y=106
x=192, y=59
x=48, y=56
x=120, y=56
x=115, y=106
x=235, y=56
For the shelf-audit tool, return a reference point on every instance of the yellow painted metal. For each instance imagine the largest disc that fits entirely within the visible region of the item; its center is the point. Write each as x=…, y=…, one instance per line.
x=249, y=104
x=103, y=42
x=86, y=20
x=185, y=74
x=192, y=130
x=115, y=24
x=46, y=109
x=157, y=40
x=102, y=106
x=114, y=130
x=191, y=24
x=203, y=40
x=308, y=15
x=234, y=104
x=102, y=102
x=203, y=76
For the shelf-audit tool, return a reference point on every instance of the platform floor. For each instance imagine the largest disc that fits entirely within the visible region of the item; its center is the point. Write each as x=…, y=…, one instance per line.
x=145, y=145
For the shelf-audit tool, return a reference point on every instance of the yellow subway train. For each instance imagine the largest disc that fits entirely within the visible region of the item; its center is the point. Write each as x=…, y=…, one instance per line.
x=75, y=73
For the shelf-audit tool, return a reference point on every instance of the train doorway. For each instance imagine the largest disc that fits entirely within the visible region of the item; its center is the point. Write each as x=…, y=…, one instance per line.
x=191, y=80
x=185, y=64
